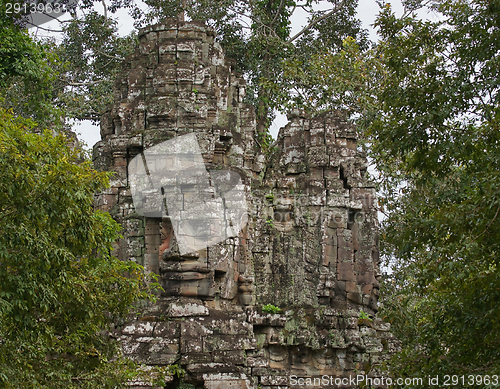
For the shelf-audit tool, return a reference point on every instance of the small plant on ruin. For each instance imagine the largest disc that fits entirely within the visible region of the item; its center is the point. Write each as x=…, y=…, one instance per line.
x=176, y=371
x=331, y=335
x=364, y=316
x=270, y=308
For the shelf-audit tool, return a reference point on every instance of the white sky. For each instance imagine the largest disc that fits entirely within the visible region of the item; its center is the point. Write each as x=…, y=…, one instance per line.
x=367, y=11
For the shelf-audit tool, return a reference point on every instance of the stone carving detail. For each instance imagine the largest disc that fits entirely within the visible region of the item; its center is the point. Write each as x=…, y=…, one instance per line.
x=306, y=241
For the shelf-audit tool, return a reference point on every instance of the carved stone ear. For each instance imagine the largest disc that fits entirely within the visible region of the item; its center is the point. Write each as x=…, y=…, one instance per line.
x=246, y=288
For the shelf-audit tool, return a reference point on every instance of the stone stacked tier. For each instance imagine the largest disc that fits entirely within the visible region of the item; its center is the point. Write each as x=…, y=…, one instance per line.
x=289, y=272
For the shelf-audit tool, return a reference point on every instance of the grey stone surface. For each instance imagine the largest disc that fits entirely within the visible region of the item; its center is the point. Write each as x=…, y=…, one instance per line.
x=309, y=243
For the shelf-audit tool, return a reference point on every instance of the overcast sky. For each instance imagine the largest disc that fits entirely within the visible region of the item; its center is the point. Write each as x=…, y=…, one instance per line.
x=367, y=11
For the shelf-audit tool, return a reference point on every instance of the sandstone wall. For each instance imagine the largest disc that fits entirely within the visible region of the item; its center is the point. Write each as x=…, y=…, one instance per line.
x=307, y=242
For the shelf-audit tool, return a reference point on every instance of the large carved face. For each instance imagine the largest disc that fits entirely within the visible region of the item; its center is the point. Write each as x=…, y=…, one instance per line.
x=199, y=214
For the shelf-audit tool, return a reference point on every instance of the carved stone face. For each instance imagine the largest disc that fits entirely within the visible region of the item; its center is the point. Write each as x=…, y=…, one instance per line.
x=204, y=274
x=202, y=212
x=221, y=221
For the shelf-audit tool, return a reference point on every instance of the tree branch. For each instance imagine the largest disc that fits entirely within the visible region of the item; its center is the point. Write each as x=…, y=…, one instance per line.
x=69, y=83
x=280, y=8
x=105, y=9
x=116, y=57
x=253, y=19
x=47, y=29
x=325, y=16
x=488, y=226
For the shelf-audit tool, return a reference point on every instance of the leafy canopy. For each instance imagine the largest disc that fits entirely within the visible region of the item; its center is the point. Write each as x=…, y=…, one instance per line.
x=26, y=72
x=90, y=57
x=256, y=34
x=436, y=144
x=60, y=286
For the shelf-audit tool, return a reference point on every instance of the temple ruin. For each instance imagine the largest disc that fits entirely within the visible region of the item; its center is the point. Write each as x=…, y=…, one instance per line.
x=268, y=264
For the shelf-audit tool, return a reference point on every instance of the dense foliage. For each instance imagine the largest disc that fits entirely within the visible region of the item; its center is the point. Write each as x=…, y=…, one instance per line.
x=255, y=34
x=26, y=72
x=90, y=57
x=45, y=79
x=60, y=286
x=436, y=142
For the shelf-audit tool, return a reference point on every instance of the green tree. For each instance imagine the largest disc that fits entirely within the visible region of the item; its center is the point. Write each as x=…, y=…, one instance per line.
x=60, y=286
x=90, y=57
x=26, y=72
x=346, y=80
x=436, y=145
x=49, y=81
x=256, y=34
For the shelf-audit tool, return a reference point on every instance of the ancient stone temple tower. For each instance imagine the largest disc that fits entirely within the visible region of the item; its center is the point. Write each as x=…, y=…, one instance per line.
x=268, y=265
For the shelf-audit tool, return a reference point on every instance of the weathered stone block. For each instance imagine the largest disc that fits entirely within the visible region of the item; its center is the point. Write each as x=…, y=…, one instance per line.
x=227, y=384
x=274, y=380
x=345, y=271
x=237, y=357
x=191, y=345
x=188, y=309
x=167, y=329
x=207, y=368
x=139, y=328
x=227, y=342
